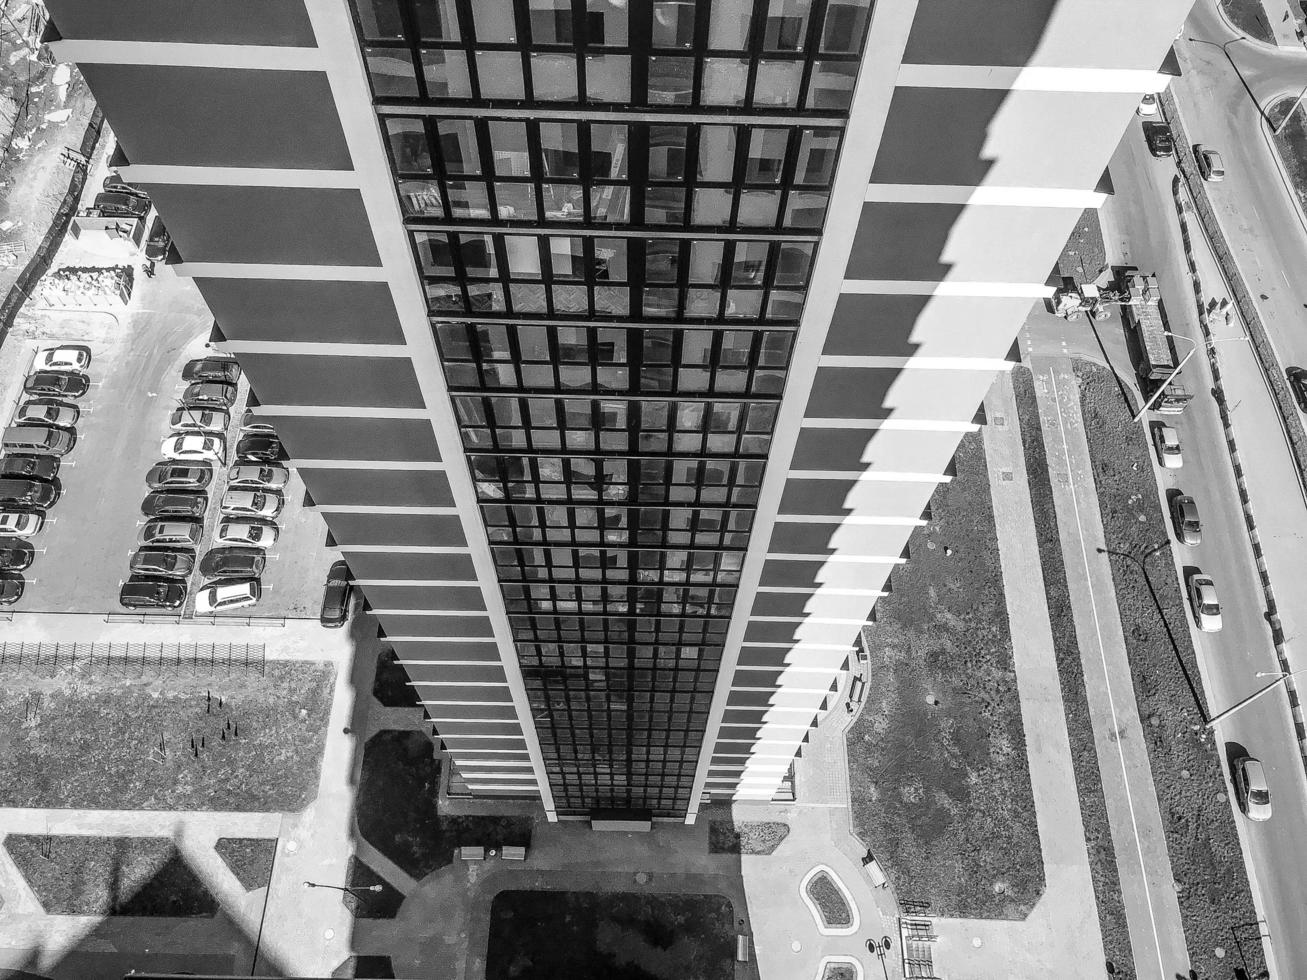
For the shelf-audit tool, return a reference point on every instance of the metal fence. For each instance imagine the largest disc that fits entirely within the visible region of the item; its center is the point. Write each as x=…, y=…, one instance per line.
x=134, y=658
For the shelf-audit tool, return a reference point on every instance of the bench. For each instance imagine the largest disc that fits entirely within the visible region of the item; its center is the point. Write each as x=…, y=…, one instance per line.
x=472, y=853
x=510, y=852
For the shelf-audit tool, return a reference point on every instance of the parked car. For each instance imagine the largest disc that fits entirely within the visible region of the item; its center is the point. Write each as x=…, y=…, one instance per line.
x=66, y=384
x=195, y=447
x=209, y=394
x=1147, y=105
x=20, y=522
x=179, y=476
x=11, y=589
x=1298, y=385
x=246, y=531
x=172, y=503
x=251, y=503
x=336, y=596
x=50, y=411
x=162, y=562
x=1167, y=443
x=16, y=556
x=171, y=531
x=1205, y=604
x=233, y=563
x=115, y=204
x=65, y=357
x=1184, y=515
x=38, y=439
x=158, y=242
x=1251, y=789
x=1210, y=165
x=250, y=422
x=35, y=467
x=114, y=184
x=260, y=447
x=140, y=592
x=1158, y=136
x=270, y=475
x=222, y=596
x=28, y=493
x=186, y=419
x=212, y=369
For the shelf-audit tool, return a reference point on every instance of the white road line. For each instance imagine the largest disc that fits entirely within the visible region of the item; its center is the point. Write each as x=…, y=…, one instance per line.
x=1102, y=653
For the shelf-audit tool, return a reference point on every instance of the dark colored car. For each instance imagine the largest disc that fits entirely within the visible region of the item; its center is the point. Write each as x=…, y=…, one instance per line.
x=139, y=592
x=119, y=205
x=262, y=447
x=163, y=562
x=212, y=369
x=233, y=562
x=113, y=184
x=1298, y=385
x=57, y=383
x=15, y=556
x=179, y=476
x=1184, y=515
x=28, y=493
x=1159, y=139
x=29, y=467
x=165, y=503
x=209, y=394
x=11, y=589
x=335, y=597
x=158, y=241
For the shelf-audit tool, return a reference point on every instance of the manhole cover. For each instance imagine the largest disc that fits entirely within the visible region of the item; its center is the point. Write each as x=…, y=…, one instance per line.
x=1005, y=476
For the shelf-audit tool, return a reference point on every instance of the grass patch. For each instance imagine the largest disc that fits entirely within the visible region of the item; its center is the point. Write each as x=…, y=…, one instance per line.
x=1291, y=146
x=397, y=812
x=137, y=876
x=1084, y=256
x=941, y=791
x=545, y=935
x=370, y=905
x=830, y=902
x=365, y=968
x=391, y=686
x=839, y=971
x=746, y=836
x=1249, y=16
x=1200, y=832
x=124, y=743
x=250, y=859
x=1103, y=870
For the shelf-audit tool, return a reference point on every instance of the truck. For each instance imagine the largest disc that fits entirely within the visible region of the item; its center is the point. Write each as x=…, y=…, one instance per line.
x=1144, y=316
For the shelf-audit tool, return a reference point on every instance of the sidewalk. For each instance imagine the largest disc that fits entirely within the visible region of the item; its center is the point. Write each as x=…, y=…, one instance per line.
x=1148, y=889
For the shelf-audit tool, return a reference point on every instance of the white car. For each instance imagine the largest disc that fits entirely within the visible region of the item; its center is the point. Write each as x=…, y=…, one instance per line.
x=1148, y=105
x=20, y=522
x=1210, y=165
x=271, y=475
x=251, y=503
x=195, y=446
x=221, y=596
x=1251, y=788
x=1167, y=443
x=1205, y=604
x=243, y=531
x=50, y=411
x=69, y=357
x=199, y=419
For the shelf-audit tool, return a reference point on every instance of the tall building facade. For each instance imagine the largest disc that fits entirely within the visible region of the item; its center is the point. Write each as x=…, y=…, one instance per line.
x=620, y=343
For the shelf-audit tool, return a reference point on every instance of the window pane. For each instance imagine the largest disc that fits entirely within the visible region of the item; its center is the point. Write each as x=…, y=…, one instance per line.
x=468, y=199
x=805, y=209
x=447, y=74
x=778, y=83
x=766, y=156
x=671, y=80
x=817, y=153
x=380, y=20
x=421, y=198
x=561, y=149
x=729, y=27
x=434, y=253
x=667, y=152
x=749, y=263
x=444, y=296
x=673, y=23
x=516, y=201
x=608, y=150
x=610, y=259
x=509, y=147
x=408, y=145
x=712, y=206
x=610, y=203
x=793, y=264
x=478, y=254
x=437, y=20
x=608, y=78
x=566, y=257
x=494, y=21
x=664, y=205
x=706, y=262
x=563, y=202
x=717, y=153
x=553, y=77
x=391, y=70
x=523, y=256
x=500, y=75
x=661, y=260
x=846, y=21
x=787, y=25
x=458, y=146
x=758, y=209
x=831, y=86
x=606, y=22
x=551, y=21
x=724, y=81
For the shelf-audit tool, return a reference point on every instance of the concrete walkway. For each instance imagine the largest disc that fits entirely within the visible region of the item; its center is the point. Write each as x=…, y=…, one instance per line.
x=1148, y=888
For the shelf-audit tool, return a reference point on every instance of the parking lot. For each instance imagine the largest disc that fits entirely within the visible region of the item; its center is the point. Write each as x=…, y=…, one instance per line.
x=138, y=353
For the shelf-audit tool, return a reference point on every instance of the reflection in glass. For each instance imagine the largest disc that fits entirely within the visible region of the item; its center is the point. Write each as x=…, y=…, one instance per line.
x=421, y=198
x=610, y=259
x=661, y=260
x=608, y=150
x=724, y=81
x=818, y=149
x=380, y=20
x=499, y=73
x=671, y=80
x=408, y=145
x=391, y=71
x=664, y=205
x=509, y=147
x=793, y=264
x=606, y=22
x=712, y=207
x=563, y=202
x=778, y=83
x=716, y=153
x=673, y=23
x=523, y=256
x=766, y=156
x=560, y=148
x=551, y=21
x=846, y=20
x=610, y=203
x=608, y=78
x=805, y=209
x=832, y=84
x=516, y=201
x=758, y=209
x=729, y=26
x=787, y=25
x=494, y=21
x=468, y=199
x=434, y=253
x=553, y=77
x=667, y=152
x=706, y=262
x=458, y=146
x=437, y=20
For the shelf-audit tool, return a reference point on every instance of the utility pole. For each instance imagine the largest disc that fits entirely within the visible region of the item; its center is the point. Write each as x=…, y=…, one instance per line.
x=1256, y=695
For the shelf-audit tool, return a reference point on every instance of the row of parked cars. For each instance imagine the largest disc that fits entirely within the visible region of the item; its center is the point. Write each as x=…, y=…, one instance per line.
x=180, y=492
x=44, y=429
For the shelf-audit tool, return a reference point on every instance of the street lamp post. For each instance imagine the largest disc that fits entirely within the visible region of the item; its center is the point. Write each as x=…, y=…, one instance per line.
x=1282, y=677
x=1180, y=367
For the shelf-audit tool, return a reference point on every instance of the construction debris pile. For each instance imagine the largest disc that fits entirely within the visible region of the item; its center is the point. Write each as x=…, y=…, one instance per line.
x=86, y=288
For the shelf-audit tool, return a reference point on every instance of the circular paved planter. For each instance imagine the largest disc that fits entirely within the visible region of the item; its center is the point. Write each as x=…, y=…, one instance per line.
x=842, y=929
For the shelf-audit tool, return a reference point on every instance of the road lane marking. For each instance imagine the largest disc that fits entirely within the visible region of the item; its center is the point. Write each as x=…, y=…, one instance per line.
x=1102, y=653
